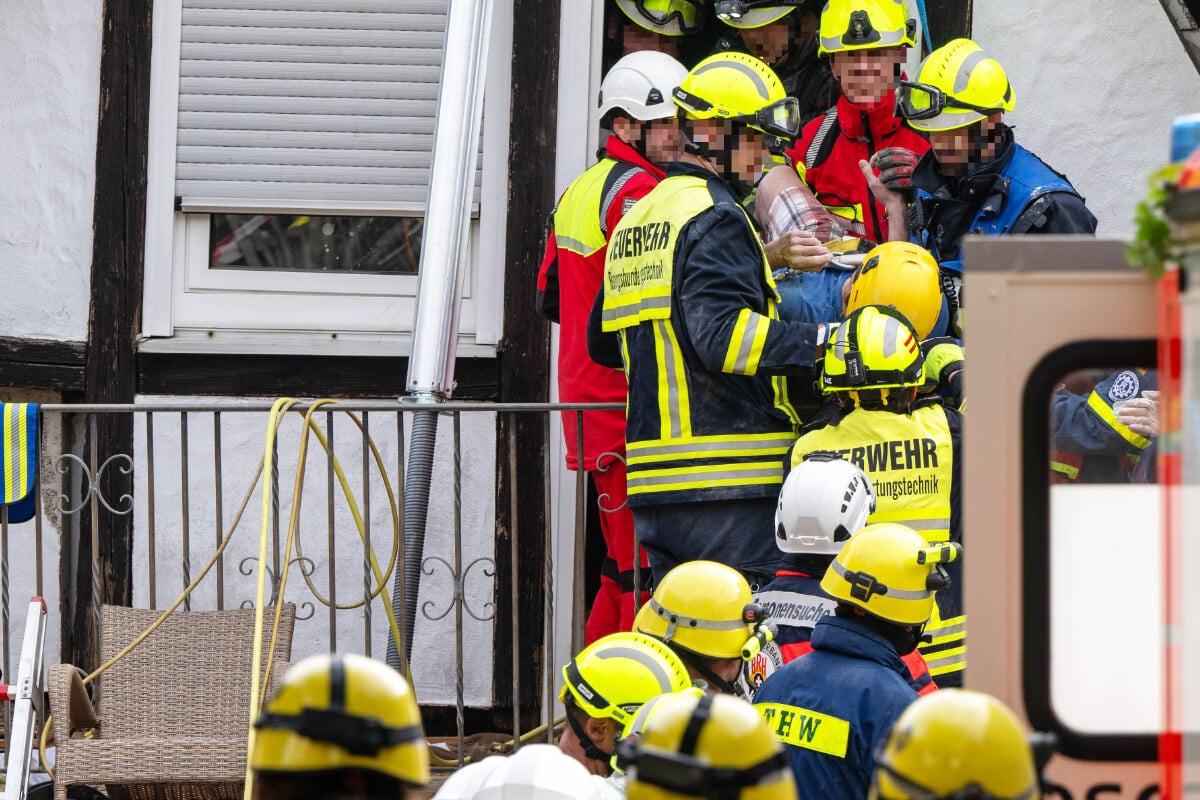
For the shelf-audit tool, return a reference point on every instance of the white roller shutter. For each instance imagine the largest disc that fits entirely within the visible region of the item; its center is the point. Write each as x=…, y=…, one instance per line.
x=308, y=105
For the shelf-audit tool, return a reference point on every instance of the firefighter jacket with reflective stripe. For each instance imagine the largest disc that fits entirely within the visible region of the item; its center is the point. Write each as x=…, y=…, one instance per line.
x=914, y=463
x=828, y=151
x=835, y=706
x=689, y=295
x=1089, y=444
x=568, y=281
x=1017, y=193
x=794, y=602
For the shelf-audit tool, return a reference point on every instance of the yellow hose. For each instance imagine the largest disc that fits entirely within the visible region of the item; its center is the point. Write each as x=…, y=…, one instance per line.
x=266, y=464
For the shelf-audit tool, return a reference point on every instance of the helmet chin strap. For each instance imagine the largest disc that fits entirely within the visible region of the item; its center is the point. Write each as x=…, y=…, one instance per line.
x=721, y=158
x=590, y=749
x=700, y=664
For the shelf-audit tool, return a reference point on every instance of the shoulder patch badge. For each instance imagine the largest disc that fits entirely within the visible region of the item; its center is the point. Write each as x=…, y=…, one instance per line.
x=1125, y=386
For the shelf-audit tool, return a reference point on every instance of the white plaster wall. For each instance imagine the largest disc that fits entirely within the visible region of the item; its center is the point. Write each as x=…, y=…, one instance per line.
x=50, y=60
x=1097, y=85
x=242, y=438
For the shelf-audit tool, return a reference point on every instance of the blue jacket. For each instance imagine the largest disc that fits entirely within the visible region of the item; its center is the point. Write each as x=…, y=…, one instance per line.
x=1089, y=443
x=794, y=603
x=1015, y=193
x=835, y=706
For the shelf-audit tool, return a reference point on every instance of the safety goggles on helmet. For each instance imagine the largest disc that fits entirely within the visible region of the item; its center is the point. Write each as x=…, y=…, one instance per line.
x=917, y=101
x=781, y=118
x=667, y=16
x=734, y=10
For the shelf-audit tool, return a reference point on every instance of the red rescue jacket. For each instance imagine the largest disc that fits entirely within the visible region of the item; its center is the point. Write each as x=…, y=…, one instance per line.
x=568, y=281
x=828, y=151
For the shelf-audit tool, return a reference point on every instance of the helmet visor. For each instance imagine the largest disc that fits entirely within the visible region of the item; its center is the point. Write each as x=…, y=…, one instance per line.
x=781, y=118
x=687, y=15
x=917, y=101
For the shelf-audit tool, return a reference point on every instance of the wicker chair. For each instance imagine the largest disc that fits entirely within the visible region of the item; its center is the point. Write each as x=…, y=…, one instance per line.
x=171, y=717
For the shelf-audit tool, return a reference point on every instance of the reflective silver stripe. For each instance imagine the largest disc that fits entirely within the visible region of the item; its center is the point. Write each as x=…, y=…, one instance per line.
x=675, y=448
x=759, y=83
x=643, y=658
x=890, y=591
x=946, y=630
x=947, y=661
x=891, y=336
x=749, y=336
x=814, y=147
x=839, y=341
x=614, y=313
x=889, y=39
x=696, y=622
x=670, y=376
x=10, y=491
x=612, y=195
x=638, y=480
x=963, y=78
x=572, y=244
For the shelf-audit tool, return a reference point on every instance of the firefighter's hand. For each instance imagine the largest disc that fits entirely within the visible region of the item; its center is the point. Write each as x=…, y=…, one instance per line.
x=943, y=357
x=895, y=165
x=893, y=202
x=799, y=252
x=1140, y=414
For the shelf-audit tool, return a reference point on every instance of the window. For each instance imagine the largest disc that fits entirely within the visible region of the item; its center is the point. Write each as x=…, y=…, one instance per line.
x=290, y=144
x=1092, y=506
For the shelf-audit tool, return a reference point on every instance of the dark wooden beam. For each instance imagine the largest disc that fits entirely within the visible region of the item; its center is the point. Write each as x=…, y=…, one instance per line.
x=525, y=353
x=42, y=364
x=301, y=376
x=948, y=20
x=110, y=374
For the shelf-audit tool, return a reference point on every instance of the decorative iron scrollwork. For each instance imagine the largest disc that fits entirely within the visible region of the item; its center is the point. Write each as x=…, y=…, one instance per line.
x=604, y=463
x=304, y=610
x=459, y=582
x=91, y=483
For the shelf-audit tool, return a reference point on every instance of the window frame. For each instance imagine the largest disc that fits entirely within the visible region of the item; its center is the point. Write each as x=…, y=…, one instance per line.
x=187, y=307
x=1037, y=650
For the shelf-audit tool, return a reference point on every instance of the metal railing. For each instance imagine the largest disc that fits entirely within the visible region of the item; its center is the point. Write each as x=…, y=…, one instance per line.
x=188, y=482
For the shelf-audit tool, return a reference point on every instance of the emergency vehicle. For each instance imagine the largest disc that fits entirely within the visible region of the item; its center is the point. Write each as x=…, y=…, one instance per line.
x=1082, y=616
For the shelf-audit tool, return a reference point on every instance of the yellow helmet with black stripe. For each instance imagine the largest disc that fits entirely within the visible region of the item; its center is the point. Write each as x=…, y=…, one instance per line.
x=339, y=712
x=615, y=675
x=705, y=746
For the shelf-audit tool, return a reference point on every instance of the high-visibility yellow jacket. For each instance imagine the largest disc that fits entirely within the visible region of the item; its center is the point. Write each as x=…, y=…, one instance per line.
x=914, y=463
x=688, y=292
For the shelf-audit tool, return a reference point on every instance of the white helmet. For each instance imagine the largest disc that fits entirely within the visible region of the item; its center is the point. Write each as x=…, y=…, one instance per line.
x=465, y=782
x=537, y=772
x=641, y=85
x=824, y=501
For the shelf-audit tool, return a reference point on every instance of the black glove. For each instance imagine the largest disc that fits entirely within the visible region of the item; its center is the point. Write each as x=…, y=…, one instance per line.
x=896, y=165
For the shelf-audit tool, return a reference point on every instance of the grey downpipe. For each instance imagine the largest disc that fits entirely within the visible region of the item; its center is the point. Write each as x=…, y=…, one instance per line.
x=439, y=291
x=417, y=480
